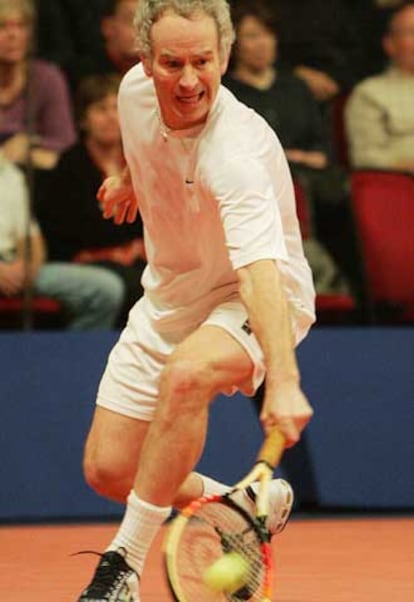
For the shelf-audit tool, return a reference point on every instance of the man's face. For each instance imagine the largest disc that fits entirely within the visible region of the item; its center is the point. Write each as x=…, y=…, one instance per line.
x=399, y=42
x=118, y=31
x=14, y=38
x=186, y=68
x=256, y=45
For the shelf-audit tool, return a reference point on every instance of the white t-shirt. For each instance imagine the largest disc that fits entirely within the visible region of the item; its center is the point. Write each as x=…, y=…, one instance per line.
x=14, y=210
x=212, y=199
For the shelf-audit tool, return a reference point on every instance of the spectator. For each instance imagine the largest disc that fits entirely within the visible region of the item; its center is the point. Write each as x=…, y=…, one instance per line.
x=91, y=296
x=370, y=18
x=118, y=51
x=254, y=80
x=35, y=114
x=287, y=104
x=380, y=114
x=317, y=41
x=68, y=211
x=66, y=30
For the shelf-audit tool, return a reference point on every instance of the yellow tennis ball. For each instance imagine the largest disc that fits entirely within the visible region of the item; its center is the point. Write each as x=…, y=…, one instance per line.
x=227, y=574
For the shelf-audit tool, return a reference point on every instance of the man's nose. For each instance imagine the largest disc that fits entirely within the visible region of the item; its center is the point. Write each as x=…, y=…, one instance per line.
x=188, y=78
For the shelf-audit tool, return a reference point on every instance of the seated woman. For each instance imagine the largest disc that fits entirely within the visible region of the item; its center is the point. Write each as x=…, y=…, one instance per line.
x=35, y=114
x=279, y=96
x=68, y=211
x=287, y=104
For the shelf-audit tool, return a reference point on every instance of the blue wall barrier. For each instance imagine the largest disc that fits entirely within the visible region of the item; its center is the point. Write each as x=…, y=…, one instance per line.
x=360, y=442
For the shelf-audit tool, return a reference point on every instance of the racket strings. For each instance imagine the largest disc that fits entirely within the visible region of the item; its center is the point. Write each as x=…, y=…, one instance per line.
x=214, y=530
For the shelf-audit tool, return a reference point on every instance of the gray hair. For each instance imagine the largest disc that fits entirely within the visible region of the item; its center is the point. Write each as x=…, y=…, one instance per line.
x=150, y=11
x=24, y=7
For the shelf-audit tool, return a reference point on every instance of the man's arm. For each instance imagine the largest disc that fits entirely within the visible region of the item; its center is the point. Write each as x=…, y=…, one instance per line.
x=285, y=405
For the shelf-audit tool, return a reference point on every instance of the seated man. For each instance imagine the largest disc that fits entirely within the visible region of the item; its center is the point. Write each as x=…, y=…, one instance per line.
x=118, y=52
x=65, y=30
x=370, y=19
x=91, y=296
x=379, y=114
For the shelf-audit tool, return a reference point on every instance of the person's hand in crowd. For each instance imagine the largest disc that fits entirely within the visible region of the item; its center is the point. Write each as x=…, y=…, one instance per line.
x=118, y=199
x=407, y=166
x=16, y=148
x=314, y=159
x=322, y=86
x=12, y=277
x=286, y=407
x=44, y=158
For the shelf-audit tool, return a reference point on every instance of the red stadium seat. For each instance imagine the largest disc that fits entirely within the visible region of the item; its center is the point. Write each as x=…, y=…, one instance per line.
x=384, y=212
x=329, y=308
x=302, y=209
x=335, y=303
x=40, y=304
x=46, y=312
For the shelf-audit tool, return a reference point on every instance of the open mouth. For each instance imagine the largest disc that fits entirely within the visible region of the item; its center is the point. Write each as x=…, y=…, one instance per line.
x=191, y=100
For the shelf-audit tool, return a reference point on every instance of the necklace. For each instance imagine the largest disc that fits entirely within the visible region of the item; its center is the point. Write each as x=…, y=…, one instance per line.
x=190, y=145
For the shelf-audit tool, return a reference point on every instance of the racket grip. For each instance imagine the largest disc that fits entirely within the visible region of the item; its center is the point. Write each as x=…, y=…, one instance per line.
x=272, y=449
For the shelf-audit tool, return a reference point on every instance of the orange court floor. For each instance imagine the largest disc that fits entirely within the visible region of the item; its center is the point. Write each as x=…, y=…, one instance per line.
x=317, y=560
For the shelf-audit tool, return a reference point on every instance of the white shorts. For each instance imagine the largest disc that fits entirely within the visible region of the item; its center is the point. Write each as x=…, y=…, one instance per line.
x=129, y=385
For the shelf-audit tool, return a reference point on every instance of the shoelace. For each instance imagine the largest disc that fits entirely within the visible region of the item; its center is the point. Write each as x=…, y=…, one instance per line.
x=114, y=566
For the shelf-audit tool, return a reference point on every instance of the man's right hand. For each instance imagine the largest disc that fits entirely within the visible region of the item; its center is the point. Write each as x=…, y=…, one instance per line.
x=286, y=407
x=118, y=199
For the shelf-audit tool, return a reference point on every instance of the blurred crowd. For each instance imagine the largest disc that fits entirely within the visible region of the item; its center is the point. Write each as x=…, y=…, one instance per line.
x=334, y=79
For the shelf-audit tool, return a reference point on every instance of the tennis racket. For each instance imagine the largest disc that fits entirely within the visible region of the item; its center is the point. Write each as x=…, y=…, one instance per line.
x=212, y=527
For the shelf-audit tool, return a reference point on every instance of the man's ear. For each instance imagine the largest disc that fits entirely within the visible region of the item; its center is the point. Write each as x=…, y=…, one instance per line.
x=147, y=65
x=224, y=63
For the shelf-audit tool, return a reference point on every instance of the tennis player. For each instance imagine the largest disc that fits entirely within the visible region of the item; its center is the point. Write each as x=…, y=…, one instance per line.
x=228, y=292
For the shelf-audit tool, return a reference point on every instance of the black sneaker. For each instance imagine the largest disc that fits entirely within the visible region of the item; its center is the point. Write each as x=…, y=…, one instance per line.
x=113, y=581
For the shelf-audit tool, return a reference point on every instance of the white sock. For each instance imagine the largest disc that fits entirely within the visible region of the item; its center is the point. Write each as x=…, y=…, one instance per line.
x=212, y=487
x=139, y=526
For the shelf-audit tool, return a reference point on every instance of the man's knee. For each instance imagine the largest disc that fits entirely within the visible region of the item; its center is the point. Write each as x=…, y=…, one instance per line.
x=106, y=476
x=98, y=474
x=184, y=382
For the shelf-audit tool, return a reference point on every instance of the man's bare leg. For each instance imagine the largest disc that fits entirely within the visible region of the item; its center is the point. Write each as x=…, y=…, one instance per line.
x=208, y=361
x=112, y=455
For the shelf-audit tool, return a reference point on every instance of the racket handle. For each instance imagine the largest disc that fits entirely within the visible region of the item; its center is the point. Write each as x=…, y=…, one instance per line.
x=272, y=449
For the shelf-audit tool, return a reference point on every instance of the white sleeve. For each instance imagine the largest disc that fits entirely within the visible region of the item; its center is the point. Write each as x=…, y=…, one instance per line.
x=136, y=97
x=249, y=212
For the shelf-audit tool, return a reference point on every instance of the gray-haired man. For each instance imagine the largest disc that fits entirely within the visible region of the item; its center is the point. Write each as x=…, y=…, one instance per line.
x=228, y=292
